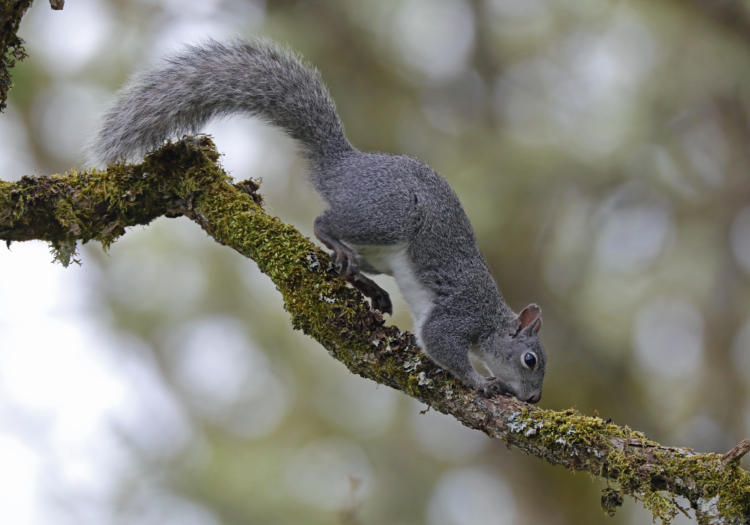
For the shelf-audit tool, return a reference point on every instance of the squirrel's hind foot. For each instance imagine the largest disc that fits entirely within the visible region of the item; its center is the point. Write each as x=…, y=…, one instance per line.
x=381, y=301
x=346, y=261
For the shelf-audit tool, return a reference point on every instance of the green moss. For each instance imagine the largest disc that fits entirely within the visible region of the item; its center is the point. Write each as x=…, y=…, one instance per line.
x=320, y=302
x=568, y=429
x=697, y=476
x=660, y=506
x=640, y=467
x=611, y=501
x=99, y=205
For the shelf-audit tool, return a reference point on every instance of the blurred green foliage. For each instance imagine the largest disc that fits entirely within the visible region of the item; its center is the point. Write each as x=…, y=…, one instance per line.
x=601, y=152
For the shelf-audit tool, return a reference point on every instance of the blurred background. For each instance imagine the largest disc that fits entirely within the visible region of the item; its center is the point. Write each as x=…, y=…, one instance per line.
x=601, y=152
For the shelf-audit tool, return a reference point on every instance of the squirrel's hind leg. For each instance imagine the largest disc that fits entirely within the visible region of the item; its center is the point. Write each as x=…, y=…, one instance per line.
x=347, y=261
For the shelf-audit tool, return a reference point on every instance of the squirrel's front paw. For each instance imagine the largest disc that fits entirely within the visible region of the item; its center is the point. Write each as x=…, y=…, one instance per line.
x=491, y=387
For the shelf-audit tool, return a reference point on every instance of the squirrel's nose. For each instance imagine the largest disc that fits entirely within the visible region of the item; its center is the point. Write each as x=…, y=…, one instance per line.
x=534, y=398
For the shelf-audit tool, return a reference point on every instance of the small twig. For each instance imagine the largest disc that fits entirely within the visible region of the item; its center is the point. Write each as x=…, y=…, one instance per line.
x=680, y=508
x=739, y=450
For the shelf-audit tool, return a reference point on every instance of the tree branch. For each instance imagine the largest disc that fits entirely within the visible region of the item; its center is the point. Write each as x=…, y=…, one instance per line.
x=184, y=179
x=11, y=47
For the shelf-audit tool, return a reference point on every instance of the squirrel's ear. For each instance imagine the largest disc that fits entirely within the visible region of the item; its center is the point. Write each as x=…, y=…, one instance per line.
x=530, y=319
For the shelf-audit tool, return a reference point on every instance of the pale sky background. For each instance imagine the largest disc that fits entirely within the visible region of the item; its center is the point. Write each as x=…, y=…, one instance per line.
x=63, y=395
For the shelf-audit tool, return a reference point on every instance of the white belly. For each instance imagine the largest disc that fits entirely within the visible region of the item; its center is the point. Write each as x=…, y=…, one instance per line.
x=394, y=260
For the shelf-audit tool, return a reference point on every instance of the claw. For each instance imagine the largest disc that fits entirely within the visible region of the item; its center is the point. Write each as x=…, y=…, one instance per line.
x=382, y=302
x=345, y=261
x=493, y=386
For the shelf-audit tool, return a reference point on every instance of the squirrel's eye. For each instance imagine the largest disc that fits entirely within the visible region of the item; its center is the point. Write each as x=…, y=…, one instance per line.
x=529, y=359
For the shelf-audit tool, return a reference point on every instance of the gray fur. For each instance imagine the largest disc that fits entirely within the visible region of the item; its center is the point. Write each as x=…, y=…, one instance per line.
x=215, y=79
x=376, y=201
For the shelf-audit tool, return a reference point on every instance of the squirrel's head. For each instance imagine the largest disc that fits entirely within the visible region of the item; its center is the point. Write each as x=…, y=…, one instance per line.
x=517, y=357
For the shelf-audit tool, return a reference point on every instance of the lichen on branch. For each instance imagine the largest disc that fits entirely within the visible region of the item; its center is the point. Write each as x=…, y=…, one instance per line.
x=184, y=179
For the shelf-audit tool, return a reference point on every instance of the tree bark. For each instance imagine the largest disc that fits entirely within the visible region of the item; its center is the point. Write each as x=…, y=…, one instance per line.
x=11, y=47
x=184, y=179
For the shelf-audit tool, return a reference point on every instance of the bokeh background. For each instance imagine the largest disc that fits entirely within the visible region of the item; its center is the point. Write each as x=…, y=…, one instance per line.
x=601, y=151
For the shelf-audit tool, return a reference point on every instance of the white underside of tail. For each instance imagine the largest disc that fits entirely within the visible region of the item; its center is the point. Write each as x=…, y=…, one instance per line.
x=394, y=260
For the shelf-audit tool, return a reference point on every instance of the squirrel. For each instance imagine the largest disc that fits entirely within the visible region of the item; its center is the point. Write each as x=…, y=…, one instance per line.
x=387, y=214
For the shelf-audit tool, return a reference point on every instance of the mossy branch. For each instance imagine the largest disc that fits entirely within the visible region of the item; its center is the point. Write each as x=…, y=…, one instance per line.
x=11, y=47
x=184, y=179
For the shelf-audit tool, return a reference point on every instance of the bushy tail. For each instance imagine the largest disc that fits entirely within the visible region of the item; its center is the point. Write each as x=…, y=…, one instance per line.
x=216, y=79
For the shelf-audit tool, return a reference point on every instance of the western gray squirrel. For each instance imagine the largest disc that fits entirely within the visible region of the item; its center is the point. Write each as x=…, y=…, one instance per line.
x=386, y=213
